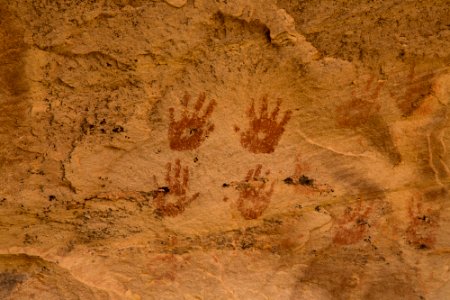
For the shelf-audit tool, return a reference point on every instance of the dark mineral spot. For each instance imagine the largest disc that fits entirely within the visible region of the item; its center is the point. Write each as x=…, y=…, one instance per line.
x=164, y=189
x=303, y=180
x=288, y=180
x=118, y=129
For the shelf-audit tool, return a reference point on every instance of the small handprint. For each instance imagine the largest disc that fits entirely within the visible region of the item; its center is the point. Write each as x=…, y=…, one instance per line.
x=192, y=129
x=254, y=197
x=352, y=226
x=264, y=132
x=177, y=185
x=358, y=111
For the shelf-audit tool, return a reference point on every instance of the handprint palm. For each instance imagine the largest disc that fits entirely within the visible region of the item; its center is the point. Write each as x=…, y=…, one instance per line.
x=191, y=130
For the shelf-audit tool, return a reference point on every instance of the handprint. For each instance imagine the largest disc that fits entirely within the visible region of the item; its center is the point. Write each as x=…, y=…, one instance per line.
x=421, y=232
x=264, y=132
x=177, y=184
x=192, y=129
x=254, y=198
x=352, y=226
x=358, y=111
x=410, y=93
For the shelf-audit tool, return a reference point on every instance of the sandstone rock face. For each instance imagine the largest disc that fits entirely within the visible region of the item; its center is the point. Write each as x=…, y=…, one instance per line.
x=224, y=149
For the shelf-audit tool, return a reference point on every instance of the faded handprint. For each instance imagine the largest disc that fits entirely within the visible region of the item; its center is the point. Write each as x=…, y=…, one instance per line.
x=264, y=132
x=177, y=180
x=421, y=232
x=192, y=129
x=352, y=226
x=357, y=111
x=254, y=197
x=410, y=92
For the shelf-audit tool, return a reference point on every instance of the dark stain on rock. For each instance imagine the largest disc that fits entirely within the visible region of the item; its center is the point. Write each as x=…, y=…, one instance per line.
x=288, y=180
x=378, y=133
x=304, y=180
x=8, y=281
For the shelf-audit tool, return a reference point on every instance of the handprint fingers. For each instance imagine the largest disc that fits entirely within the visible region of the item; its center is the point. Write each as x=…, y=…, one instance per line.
x=210, y=128
x=192, y=199
x=264, y=108
x=286, y=118
x=275, y=112
x=257, y=172
x=249, y=175
x=251, y=113
x=199, y=103
x=168, y=175
x=171, y=115
x=185, y=176
x=209, y=109
x=270, y=191
x=185, y=100
x=177, y=171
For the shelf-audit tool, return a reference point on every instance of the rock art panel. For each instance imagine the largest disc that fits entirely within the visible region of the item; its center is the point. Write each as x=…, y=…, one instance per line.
x=112, y=188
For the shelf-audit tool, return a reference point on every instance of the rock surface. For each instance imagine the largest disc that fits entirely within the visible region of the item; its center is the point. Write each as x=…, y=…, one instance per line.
x=227, y=149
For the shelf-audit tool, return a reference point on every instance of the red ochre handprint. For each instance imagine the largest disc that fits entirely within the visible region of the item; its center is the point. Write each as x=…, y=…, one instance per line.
x=264, y=132
x=421, y=232
x=254, y=197
x=358, y=111
x=177, y=180
x=192, y=129
x=352, y=226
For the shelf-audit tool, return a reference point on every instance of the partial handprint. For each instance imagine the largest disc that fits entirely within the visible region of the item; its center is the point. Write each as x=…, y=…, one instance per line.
x=254, y=197
x=364, y=104
x=411, y=91
x=192, y=129
x=421, y=232
x=177, y=185
x=352, y=226
x=264, y=132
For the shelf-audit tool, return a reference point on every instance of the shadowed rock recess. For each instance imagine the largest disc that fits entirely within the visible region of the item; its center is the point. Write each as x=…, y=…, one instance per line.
x=224, y=149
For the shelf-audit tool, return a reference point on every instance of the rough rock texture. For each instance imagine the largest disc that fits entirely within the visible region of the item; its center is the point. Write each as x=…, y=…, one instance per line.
x=227, y=149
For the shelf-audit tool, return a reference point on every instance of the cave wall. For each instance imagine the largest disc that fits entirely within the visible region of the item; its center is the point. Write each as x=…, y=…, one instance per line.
x=224, y=149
